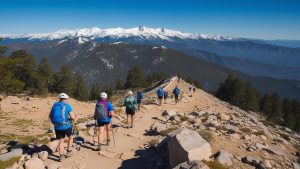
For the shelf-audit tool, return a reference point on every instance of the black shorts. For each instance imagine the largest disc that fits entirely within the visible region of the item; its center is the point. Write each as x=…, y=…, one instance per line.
x=165, y=96
x=130, y=111
x=160, y=97
x=100, y=124
x=139, y=101
x=176, y=97
x=62, y=133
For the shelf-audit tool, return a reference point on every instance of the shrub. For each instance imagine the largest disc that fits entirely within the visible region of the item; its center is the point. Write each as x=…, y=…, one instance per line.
x=284, y=136
x=184, y=118
x=8, y=163
x=206, y=135
x=245, y=130
x=214, y=165
x=167, y=131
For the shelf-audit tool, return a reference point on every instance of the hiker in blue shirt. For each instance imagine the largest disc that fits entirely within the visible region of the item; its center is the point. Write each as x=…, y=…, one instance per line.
x=61, y=115
x=176, y=92
x=104, y=111
x=160, y=94
x=139, y=98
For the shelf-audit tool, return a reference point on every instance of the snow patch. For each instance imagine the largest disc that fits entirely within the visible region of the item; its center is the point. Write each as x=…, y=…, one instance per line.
x=158, y=60
x=107, y=63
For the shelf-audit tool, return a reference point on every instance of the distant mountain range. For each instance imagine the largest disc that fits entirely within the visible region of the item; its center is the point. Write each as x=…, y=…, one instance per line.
x=109, y=53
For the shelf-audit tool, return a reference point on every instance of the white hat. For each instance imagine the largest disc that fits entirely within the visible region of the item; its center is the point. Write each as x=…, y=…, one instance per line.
x=130, y=93
x=103, y=95
x=63, y=96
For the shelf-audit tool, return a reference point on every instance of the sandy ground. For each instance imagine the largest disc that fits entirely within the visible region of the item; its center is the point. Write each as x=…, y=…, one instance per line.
x=128, y=142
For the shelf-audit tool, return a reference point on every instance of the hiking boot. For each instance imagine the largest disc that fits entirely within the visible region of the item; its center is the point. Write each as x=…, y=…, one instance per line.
x=61, y=158
x=98, y=148
x=107, y=142
x=69, y=153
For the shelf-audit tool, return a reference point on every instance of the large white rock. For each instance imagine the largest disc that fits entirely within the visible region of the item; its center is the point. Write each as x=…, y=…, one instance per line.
x=34, y=163
x=11, y=154
x=224, y=157
x=187, y=145
x=53, y=145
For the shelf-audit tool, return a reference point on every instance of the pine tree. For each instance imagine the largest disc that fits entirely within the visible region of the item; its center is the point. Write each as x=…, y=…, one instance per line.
x=251, y=98
x=95, y=91
x=135, y=78
x=46, y=73
x=64, y=81
x=2, y=49
x=81, y=90
x=119, y=84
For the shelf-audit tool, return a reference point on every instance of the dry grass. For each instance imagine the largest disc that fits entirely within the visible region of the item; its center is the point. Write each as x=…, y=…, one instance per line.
x=214, y=165
x=8, y=163
x=245, y=130
x=206, y=135
x=166, y=132
x=184, y=118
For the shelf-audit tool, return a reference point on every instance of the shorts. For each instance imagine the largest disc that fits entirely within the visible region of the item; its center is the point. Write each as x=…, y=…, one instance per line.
x=101, y=124
x=176, y=97
x=160, y=97
x=60, y=134
x=165, y=96
x=130, y=111
x=139, y=101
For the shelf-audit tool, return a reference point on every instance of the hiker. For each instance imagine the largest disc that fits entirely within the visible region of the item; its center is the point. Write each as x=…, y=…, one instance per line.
x=166, y=95
x=160, y=94
x=61, y=115
x=130, y=104
x=190, y=89
x=139, y=98
x=194, y=89
x=176, y=92
x=104, y=112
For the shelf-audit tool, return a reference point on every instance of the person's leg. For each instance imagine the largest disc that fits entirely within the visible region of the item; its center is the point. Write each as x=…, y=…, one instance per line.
x=70, y=143
x=132, y=117
x=128, y=120
x=100, y=137
x=61, y=146
x=108, y=134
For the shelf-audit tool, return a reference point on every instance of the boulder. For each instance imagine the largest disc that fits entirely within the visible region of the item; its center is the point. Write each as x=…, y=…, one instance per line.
x=251, y=160
x=187, y=145
x=224, y=117
x=43, y=155
x=235, y=136
x=192, y=165
x=158, y=127
x=273, y=150
x=53, y=166
x=296, y=166
x=180, y=114
x=11, y=154
x=264, y=164
x=168, y=113
x=224, y=157
x=195, y=114
x=261, y=146
x=231, y=128
x=34, y=163
x=53, y=145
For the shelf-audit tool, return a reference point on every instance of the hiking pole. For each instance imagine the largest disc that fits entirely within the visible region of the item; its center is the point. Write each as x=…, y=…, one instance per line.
x=112, y=131
x=95, y=132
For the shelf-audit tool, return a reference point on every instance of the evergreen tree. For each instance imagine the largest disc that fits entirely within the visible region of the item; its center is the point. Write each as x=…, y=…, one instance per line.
x=135, y=78
x=46, y=73
x=95, y=91
x=251, y=98
x=64, y=81
x=154, y=77
x=119, y=84
x=81, y=90
x=2, y=49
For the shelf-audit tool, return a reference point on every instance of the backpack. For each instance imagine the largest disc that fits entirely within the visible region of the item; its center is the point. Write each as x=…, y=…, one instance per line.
x=58, y=114
x=101, y=110
x=160, y=92
x=176, y=91
x=140, y=95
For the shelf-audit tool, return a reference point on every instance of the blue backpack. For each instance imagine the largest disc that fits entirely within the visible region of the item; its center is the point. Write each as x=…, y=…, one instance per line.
x=101, y=110
x=176, y=91
x=58, y=114
x=160, y=92
x=140, y=95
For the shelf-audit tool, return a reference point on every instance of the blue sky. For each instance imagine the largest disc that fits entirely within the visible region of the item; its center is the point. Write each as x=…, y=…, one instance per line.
x=263, y=19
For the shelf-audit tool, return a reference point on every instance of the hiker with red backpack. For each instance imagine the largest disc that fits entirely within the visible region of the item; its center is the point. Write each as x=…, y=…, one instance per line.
x=61, y=115
x=104, y=112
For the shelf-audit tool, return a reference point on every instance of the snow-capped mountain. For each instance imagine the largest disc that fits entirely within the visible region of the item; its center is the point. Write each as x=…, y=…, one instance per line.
x=95, y=32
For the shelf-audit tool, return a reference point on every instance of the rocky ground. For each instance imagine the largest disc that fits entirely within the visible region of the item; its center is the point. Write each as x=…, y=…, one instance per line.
x=198, y=132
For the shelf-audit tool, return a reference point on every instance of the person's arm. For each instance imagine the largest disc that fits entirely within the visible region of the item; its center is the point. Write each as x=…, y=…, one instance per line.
x=72, y=116
x=110, y=109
